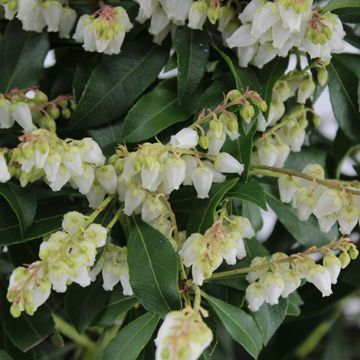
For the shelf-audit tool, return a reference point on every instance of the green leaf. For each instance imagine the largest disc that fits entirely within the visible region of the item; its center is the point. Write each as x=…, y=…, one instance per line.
x=22, y=55
x=252, y=212
x=22, y=202
x=343, y=87
x=107, y=137
x=129, y=342
x=338, y=4
x=4, y=355
x=270, y=317
x=204, y=209
x=307, y=232
x=239, y=324
x=307, y=155
x=153, y=269
x=118, y=81
x=155, y=112
x=294, y=303
x=83, y=305
x=251, y=191
x=192, y=49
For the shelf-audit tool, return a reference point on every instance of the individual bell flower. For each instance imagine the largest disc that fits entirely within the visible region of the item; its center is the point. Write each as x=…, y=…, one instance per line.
x=276, y=112
x=202, y=179
x=21, y=113
x=292, y=281
x=333, y=266
x=193, y=248
x=327, y=222
x=96, y=195
x=306, y=89
x=134, y=198
x=152, y=208
x=242, y=226
x=146, y=9
x=249, y=10
x=198, y=14
x=28, y=289
x=253, y=276
x=129, y=170
x=106, y=177
x=96, y=234
x=328, y=203
x=67, y=22
x=348, y=217
x=159, y=24
x=293, y=14
x=174, y=174
x=91, y=152
x=204, y=267
x=72, y=160
x=85, y=181
x=52, y=12
x=52, y=165
x=255, y=296
x=176, y=11
x=182, y=335
x=151, y=176
x=218, y=177
x=320, y=277
x=62, y=177
x=246, y=54
x=241, y=38
x=304, y=203
x=6, y=120
x=4, y=171
x=10, y=9
x=191, y=165
x=185, y=139
x=164, y=226
x=216, y=141
x=226, y=163
x=287, y=188
x=31, y=16
x=283, y=152
x=267, y=153
x=265, y=53
x=265, y=17
x=73, y=222
x=273, y=287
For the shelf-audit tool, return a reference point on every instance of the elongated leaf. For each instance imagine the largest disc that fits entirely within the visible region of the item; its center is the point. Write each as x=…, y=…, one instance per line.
x=153, y=269
x=132, y=339
x=4, y=355
x=239, y=324
x=343, y=86
x=117, y=82
x=252, y=212
x=23, y=203
x=204, y=209
x=251, y=191
x=107, y=137
x=307, y=232
x=22, y=55
x=155, y=112
x=270, y=317
x=338, y=4
x=192, y=49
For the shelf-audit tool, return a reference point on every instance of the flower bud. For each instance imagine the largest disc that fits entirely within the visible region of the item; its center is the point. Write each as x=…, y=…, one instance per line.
x=322, y=76
x=247, y=112
x=204, y=142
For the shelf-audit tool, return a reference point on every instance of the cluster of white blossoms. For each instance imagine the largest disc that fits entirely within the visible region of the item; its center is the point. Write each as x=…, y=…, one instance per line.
x=271, y=29
x=66, y=257
x=329, y=204
x=223, y=241
x=35, y=15
x=104, y=31
x=114, y=268
x=281, y=275
x=31, y=107
x=183, y=336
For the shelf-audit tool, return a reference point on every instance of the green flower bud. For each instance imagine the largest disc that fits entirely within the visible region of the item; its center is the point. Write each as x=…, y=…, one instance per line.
x=64, y=103
x=322, y=76
x=247, y=112
x=204, y=142
x=40, y=97
x=214, y=14
x=216, y=126
x=354, y=253
x=316, y=120
x=13, y=5
x=73, y=105
x=345, y=259
x=234, y=95
x=47, y=123
x=66, y=113
x=53, y=111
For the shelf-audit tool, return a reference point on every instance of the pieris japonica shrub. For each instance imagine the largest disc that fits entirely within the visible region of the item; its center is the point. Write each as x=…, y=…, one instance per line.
x=179, y=179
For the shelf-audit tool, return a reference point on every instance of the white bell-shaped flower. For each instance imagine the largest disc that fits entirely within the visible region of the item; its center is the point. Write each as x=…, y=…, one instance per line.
x=174, y=175
x=265, y=17
x=72, y=160
x=218, y=177
x=242, y=37
x=151, y=176
x=191, y=165
x=226, y=163
x=67, y=22
x=134, y=198
x=62, y=177
x=255, y=296
x=287, y=188
x=51, y=166
x=185, y=139
x=52, y=12
x=216, y=141
x=6, y=121
x=96, y=195
x=327, y=222
x=146, y=9
x=273, y=287
x=348, y=218
x=21, y=113
x=328, y=203
x=292, y=281
x=198, y=15
x=202, y=179
x=106, y=177
x=320, y=277
x=267, y=153
x=91, y=152
x=152, y=208
x=176, y=11
x=73, y=222
x=85, y=181
x=333, y=266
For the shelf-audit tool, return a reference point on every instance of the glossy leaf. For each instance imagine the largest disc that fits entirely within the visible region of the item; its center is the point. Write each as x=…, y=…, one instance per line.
x=22, y=56
x=153, y=269
x=203, y=213
x=338, y=4
x=155, y=112
x=192, y=49
x=239, y=324
x=129, y=342
x=118, y=81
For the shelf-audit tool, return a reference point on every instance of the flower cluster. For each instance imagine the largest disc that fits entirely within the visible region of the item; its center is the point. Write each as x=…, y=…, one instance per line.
x=35, y=15
x=182, y=335
x=281, y=275
x=330, y=203
x=114, y=268
x=223, y=241
x=66, y=257
x=271, y=29
x=104, y=31
x=32, y=107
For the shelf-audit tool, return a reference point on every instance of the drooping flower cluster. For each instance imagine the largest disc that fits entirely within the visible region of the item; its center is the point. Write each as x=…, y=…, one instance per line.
x=182, y=335
x=66, y=257
x=271, y=29
x=32, y=107
x=35, y=15
x=281, y=275
x=104, y=31
x=328, y=204
x=223, y=241
x=114, y=268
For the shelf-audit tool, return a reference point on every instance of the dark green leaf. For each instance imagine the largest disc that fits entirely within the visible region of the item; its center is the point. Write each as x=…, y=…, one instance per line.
x=338, y=4
x=23, y=203
x=239, y=324
x=251, y=191
x=132, y=339
x=153, y=269
x=307, y=232
x=107, y=137
x=118, y=81
x=252, y=212
x=192, y=49
x=155, y=112
x=203, y=213
x=270, y=317
x=295, y=302
x=343, y=87
x=4, y=355
x=307, y=155
x=22, y=55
